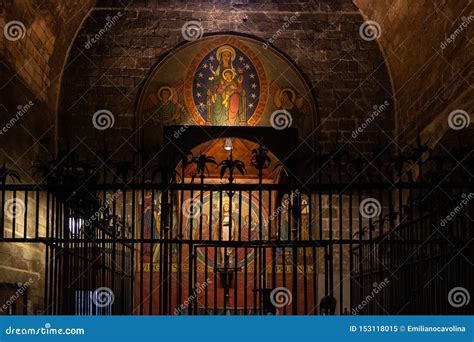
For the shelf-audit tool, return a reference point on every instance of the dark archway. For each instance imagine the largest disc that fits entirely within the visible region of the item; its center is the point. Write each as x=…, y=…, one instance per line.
x=180, y=139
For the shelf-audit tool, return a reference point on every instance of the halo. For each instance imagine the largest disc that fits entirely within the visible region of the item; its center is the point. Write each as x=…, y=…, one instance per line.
x=225, y=200
x=227, y=48
x=293, y=94
x=158, y=93
x=229, y=69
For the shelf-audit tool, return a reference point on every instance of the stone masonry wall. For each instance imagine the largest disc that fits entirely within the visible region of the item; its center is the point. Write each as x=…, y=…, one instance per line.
x=346, y=73
x=427, y=49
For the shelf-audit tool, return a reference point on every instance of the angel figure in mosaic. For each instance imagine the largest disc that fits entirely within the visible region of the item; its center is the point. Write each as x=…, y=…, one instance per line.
x=167, y=104
x=289, y=100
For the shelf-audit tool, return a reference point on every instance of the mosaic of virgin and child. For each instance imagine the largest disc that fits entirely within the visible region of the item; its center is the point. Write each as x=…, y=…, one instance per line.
x=226, y=95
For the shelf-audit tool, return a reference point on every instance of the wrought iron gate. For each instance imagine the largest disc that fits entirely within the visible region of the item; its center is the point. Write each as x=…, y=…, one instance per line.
x=364, y=245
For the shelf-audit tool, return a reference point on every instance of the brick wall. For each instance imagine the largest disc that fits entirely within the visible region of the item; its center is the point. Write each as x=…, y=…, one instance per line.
x=34, y=41
x=43, y=33
x=347, y=74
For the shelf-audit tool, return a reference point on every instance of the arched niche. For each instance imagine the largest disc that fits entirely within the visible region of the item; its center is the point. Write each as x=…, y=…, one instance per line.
x=224, y=80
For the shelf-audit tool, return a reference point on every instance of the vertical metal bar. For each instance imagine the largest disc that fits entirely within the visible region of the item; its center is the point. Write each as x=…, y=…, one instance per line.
x=261, y=277
x=315, y=282
x=305, y=282
x=153, y=224
x=191, y=251
x=360, y=266
x=122, y=246
x=310, y=216
x=226, y=285
x=15, y=211
x=295, y=281
x=283, y=259
x=169, y=232
x=142, y=227
x=104, y=245
x=341, y=278
x=370, y=255
x=37, y=223
x=240, y=217
x=53, y=253
x=180, y=248
x=279, y=217
x=132, y=252
x=274, y=267
x=351, y=258
x=46, y=287
x=215, y=280
x=330, y=256
x=114, y=246
x=206, y=293
x=165, y=246
x=389, y=238
x=255, y=277
x=220, y=217
x=211, y=204
x=270, y=232
x=409, y=236
x=196, y=278
x=250, y=217
x=379, y=247
x=235, y=279
x=25, y=216
x=201, y=199
x=245, y=280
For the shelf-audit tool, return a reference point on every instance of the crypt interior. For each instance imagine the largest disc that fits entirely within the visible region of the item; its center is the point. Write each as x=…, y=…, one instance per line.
x=236, y=157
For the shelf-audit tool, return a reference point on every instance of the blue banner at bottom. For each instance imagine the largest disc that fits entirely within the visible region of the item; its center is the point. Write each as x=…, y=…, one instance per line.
x=230, y=329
